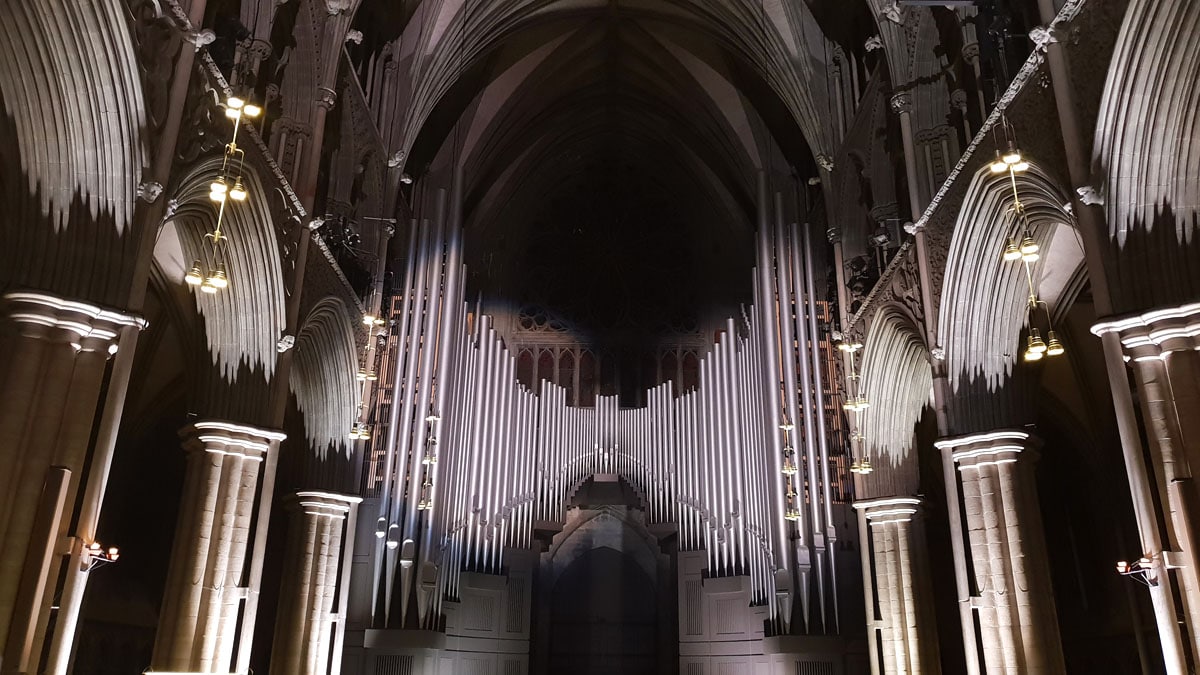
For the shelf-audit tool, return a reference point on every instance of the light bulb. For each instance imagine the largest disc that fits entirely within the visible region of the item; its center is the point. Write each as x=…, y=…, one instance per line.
x=194, y=276
x=218, y=279
x=866, y=467
x=234, y=102
x=1053, y=346
x=1012, y=157
x=207, y=287
x=233, y=113
x=1029, y=246
x=792, y=514
x=998, y=166
x=1020, y=167
x=251, y=110
x=1011, y=252
x=238, y=193
x=1035, y=341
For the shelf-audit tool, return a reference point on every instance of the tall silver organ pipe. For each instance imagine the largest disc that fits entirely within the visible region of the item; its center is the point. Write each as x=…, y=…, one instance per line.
x=474, y=461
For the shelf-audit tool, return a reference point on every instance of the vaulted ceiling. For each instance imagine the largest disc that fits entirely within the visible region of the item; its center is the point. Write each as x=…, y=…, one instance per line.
x=611, y=147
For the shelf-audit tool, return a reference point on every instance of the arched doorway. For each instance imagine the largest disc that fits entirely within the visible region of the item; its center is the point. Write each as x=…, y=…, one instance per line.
x=604, y=617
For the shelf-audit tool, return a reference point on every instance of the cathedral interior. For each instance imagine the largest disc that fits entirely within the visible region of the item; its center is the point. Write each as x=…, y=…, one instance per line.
x=508, y=337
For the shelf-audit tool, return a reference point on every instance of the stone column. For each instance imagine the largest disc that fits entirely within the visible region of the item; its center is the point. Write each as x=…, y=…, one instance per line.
x=198, y=624
x=308, y=623
x=52, y=363
x=902, y=583
x=1015, y=602
x=1161, y=348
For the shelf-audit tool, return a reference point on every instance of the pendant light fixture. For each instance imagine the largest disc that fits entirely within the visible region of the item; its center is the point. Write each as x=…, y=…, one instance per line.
x=227, y=186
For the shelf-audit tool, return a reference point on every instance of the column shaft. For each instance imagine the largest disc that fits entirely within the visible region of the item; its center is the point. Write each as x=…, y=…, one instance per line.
x=198, y=623
x=304, y=629
x=1019, y=625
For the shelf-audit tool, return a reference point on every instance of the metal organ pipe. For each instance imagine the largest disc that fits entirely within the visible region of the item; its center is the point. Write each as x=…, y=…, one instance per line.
x=393, y=429
x=770, y=338
x=826, y=487
x=709, y=459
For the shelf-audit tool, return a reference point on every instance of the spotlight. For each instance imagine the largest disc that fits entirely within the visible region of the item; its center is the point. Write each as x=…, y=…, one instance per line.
x=238, y=193
x=1013, y=156
x=217, y=190
x=233, y=113
x=1011, y=252
x=207, y=287
x=1029, y=249
x=252, y=110
x=234, y=103
x=1053, y=346
x=194, y=276
x=998, y=166
x=218, y=279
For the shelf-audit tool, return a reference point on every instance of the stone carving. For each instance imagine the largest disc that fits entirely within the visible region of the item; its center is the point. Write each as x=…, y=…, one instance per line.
x=894, y=13
x=285, y=343
x=1043, y=37
x=873, y=43
x=354, y=36
x=1090, y=195
x=902, y=103
x=825, y=162
x=149, y=191
x=201, y=38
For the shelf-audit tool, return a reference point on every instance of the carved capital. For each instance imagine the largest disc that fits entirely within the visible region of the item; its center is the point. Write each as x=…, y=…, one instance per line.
x=149, y=191
x=1157, y=332
x=326, y=98
x=902, y=103
x=85, y=326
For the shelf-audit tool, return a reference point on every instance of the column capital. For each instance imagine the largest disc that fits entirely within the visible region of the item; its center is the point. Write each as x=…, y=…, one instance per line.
x=229, y=438
x=1001, y=446
x=319, y=503
x=1152, y=334
x=86, y=326
x=884, y=510
x=902, y=103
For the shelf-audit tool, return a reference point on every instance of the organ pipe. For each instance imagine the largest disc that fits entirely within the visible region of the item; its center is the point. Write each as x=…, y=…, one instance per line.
x=503, y=458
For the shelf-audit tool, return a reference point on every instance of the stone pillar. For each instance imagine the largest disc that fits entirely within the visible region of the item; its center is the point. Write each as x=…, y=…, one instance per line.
x=1161, y=347
x=311, y=613
x=53, y=353
x=1015, y=601
x=901, y=581
x=198, y=624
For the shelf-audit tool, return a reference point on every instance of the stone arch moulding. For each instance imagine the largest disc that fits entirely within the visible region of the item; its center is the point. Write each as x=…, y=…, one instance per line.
x=897, y=379
x=243, y=322
x=323, y=379
x=983, y=299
